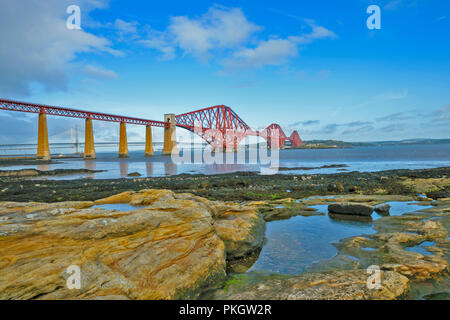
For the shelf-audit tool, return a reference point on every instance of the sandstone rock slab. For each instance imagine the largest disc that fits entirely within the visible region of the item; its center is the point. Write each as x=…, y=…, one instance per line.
x=168, y=248
x=336, y=285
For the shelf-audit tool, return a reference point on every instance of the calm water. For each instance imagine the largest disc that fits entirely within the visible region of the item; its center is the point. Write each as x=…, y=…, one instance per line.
x=357, y=159
x=116, y=206
x=295, y=244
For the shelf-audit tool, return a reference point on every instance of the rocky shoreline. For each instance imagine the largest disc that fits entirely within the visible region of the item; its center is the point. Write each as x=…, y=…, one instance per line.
x=239, y=186
x=41, y=173
x=199, y=245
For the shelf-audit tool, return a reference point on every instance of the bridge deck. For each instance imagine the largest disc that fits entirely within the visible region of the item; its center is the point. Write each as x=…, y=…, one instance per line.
x=11, y=105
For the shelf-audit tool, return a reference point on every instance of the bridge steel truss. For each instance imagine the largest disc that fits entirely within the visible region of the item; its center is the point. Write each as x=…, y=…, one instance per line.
x=275, y=131
x=218, y=125
x=221, y=127
x=11, y=105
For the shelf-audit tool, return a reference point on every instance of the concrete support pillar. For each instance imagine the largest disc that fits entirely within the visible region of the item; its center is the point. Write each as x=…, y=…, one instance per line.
x=43, y=149
x=170, y=138
x=89, y=147
x=123, y=144
x=148, y=142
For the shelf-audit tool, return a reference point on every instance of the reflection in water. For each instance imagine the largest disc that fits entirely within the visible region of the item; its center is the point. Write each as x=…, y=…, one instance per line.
x=295, y=244
x=422, y=248
x=223, y=168
x=241, y=265
x=149, y=168
x=358, y=159
x=350, y=218
x=116, y=206
x=123, y=169
x=170, y=168
x=90, y=165
x=43, y=167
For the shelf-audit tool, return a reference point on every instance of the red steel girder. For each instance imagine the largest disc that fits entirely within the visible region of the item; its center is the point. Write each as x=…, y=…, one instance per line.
x=11, y=105
x=217, y=117
x=276, y=131
x=220, y=126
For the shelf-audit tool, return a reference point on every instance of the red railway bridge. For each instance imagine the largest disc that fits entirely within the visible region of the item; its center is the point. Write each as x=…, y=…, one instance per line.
x=219, y=126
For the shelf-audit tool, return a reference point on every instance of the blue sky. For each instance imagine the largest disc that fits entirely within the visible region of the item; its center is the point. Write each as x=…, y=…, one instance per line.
x=313, y=66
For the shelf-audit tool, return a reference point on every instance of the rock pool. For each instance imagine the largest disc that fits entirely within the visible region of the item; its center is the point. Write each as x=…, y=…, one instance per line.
x=295, y=244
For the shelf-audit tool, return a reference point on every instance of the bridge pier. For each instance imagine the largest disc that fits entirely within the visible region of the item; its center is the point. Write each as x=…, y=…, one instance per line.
x=170, y=138
x=123, y=144
x=89, y=146
x=148, y=141
x=43, y=149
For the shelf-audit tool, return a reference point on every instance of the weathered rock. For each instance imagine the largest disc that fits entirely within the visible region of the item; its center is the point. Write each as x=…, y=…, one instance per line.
x=382, y=208
x=33, y=172
x=427, y=185
x=19, y=173
x=168, y=249
x=242, y=230
x=134, y=174
x=336, y=285
x=395, y=235
x=350, y=217
x=413, y=264
x=335, y=187
x=284, y=209
x=438, y=194
x=351, y=209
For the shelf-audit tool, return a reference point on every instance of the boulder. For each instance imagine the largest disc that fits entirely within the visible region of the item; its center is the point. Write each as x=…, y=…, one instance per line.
x=350, y=208
x=169, y=248
x=134, y=174
x=336, y=187
x=382, y=208
x=242, y=231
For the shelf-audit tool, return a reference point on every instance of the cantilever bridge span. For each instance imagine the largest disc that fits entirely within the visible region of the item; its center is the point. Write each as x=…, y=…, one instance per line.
x=219, y=126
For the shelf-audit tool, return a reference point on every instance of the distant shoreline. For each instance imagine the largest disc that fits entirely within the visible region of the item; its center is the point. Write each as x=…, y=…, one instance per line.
x=335, y=144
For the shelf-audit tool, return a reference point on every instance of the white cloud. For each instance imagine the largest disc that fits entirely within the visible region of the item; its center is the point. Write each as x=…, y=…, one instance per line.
x=218, y=28
x=158, y=40
x=228, y=32
x=317, y=33
x=392, y=95
x=99, y=72
x=37, y=48
x=443, y=114
x=394, y=117
x=393, y=5
x=126, y=27
x=275, y=52
x=383, y=97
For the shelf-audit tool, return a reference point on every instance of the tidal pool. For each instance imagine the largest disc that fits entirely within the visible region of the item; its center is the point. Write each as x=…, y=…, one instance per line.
x=421, y=248
x=295, y=244
x=117, y=206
